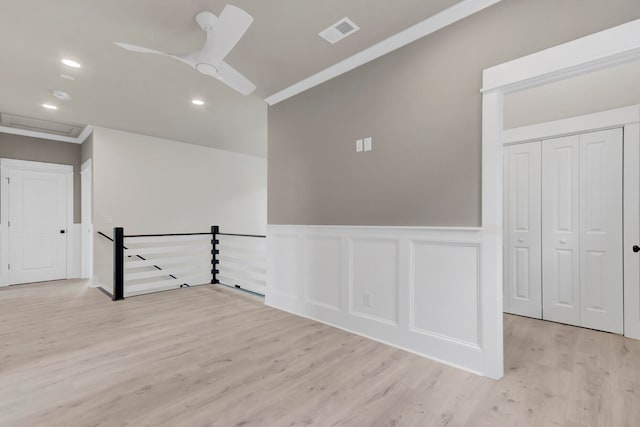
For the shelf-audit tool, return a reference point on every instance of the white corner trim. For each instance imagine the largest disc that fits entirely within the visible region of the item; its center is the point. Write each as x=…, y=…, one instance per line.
x=600, y=50
x=86, y=165
x=88, y=130
x=42, y=135
x=428, y=26
x=586, y=123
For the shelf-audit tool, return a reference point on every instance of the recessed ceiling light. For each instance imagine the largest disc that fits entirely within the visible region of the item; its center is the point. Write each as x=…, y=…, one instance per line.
x=50, y=106
x=197, y=102
x=71, y=63
x=62, y=95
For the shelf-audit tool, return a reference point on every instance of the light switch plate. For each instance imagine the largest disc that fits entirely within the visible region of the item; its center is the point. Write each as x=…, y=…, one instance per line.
x=358, y=146
x=368, y=144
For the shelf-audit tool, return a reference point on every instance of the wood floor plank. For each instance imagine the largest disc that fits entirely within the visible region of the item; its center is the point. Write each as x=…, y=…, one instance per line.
x=210, y=356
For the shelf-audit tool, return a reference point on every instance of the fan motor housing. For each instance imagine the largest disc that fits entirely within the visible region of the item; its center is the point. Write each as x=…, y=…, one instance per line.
x=208, y=69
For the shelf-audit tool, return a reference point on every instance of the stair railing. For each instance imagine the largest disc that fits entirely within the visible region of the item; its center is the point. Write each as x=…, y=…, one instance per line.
x=142, y=261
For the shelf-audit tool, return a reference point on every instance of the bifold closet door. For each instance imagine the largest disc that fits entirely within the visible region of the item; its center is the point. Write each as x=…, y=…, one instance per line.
x=522, y=263
x=601, y=283
x=582, y=230
x=561, y=229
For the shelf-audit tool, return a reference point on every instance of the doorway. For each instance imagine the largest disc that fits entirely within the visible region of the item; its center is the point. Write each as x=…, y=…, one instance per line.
x=597, y=51
x=36, y=218
x=563, y=219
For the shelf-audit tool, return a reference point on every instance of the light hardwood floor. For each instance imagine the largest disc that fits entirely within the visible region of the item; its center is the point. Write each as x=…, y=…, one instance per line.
x=209, y=356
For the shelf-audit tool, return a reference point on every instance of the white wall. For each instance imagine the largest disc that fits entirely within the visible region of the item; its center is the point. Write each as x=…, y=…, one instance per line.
x=417, y=288
x=585, y=94
x=151, y=185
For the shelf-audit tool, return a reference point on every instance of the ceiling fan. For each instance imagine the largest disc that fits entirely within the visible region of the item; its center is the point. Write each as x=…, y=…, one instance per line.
x=223, y=33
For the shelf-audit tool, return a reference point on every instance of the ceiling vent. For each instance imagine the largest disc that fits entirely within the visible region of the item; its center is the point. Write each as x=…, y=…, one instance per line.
x=341, y=29
x=42, y=127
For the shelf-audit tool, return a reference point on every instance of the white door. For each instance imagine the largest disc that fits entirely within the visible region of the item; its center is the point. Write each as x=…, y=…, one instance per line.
x=601, y=282
x=561, y=229
x=582, y=281
x=37, y=226
x=523, y=253
x=631, y=237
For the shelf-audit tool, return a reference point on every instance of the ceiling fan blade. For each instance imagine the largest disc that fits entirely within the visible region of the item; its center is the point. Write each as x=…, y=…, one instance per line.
x=140, y=49
x=232, y=23
x=232, y=78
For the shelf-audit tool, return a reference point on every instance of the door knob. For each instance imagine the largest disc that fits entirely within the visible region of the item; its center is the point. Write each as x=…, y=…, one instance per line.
x=636, y=248
x=520, y=240
x=63, y=231
x=563, y=241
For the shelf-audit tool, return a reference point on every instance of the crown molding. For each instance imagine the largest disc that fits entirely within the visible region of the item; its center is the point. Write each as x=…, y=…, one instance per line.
x=430, y=25
x=42, y=135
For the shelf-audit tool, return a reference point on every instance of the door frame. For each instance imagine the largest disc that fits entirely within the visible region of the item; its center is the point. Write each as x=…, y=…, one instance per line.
x=607, y=48
x=86, y=200
x=7, y=165
x=627, y=118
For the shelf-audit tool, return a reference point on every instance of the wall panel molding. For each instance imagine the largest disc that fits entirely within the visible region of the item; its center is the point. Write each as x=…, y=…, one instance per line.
x=323, y=271
x=415, y=288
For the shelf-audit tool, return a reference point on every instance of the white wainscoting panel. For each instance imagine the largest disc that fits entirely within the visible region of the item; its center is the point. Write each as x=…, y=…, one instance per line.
x=440, y=290
x=418, y=289
x=283, y=272
x=373, y=287
x=323, y=272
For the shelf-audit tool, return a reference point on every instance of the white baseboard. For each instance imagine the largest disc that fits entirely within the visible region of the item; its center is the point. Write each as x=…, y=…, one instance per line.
x=414, y=288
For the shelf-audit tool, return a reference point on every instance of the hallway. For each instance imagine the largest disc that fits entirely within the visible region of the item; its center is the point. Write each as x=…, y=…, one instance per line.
x=210, y=356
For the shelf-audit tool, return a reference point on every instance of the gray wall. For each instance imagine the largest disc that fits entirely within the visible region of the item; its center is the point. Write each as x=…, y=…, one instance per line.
x=86, y=149
x=600, y=90
x=422, y=106
x=40, y=150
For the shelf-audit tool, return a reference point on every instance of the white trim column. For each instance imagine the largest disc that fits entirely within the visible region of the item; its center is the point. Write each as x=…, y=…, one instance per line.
x=492, y=171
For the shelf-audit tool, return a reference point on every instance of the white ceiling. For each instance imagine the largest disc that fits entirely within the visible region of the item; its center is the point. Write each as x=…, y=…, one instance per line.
x=151, y=94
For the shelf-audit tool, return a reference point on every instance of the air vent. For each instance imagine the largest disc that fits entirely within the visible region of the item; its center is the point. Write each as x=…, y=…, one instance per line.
x=45, y=127
x=341, y=29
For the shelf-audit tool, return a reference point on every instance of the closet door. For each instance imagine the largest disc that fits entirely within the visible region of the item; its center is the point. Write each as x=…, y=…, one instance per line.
x=522, y=275
x=561, y=230
x=601, y=292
